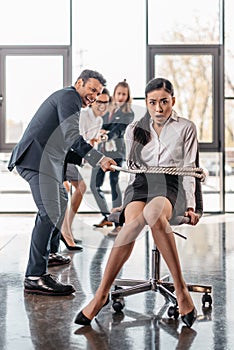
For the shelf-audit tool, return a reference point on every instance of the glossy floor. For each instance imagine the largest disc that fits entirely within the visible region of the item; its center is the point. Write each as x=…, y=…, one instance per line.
x=39, y=322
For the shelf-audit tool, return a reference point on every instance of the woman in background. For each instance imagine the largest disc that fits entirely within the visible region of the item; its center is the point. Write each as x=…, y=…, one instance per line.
x=115, y=122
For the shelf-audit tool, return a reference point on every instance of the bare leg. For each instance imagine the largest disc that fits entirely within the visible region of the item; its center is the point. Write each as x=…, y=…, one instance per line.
x=76, y=199
x=119, y=254
x=77, y=196
x=157, y=213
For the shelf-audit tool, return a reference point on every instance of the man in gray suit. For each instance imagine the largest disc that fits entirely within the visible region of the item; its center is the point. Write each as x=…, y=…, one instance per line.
x=40, y=158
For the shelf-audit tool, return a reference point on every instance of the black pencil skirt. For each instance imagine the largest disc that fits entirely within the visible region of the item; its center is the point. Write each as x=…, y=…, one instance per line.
x=145, y=187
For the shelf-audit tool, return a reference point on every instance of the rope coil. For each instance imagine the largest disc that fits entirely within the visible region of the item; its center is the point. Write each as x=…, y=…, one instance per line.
x=195, y=172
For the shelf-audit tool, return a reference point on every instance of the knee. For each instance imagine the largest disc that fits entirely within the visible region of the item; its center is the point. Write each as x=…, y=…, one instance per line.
x=81, y=187
x=135, y=221
x=49, y=218
x=155, y=218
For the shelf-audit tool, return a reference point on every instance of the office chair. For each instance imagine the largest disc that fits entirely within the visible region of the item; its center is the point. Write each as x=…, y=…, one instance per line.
x=156, y=283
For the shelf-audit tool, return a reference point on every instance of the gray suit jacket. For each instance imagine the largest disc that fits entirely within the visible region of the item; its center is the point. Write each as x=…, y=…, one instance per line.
x=51, y=133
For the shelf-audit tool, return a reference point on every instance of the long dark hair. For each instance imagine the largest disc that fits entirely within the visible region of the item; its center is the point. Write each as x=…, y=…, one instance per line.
x=141, y=132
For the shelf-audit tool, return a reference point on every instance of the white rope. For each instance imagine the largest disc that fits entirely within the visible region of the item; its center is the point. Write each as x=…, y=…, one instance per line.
x=195, y=172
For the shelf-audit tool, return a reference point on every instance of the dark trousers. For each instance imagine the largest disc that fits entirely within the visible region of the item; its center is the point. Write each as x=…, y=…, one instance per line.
x=96, y=182
x=51, y=199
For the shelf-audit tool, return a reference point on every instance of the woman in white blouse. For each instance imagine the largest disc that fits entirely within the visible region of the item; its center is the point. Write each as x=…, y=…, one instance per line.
x=160, y=138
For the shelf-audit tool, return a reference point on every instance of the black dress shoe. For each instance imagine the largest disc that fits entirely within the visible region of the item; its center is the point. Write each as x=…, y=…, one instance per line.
x=85, y=321
x=189, y=318
x=56, y=259
x=47, y=285
x=70, y=247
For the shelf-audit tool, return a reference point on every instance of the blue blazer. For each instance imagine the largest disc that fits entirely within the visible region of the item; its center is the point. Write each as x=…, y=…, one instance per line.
x=51, y=134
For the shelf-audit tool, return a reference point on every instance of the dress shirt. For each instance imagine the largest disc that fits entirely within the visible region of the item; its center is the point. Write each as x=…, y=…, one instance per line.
x=176, y=146
x=89, y=124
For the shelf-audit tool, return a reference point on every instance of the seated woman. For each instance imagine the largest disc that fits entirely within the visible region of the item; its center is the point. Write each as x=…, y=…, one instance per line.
x=164, y=139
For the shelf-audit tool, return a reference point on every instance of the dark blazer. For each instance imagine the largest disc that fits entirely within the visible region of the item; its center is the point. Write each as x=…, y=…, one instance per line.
x=116, y=127
x=51, y=133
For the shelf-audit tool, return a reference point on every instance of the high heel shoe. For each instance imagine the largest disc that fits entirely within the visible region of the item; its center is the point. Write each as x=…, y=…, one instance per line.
x=85, y=321
x=69, y=247
x=189, y=318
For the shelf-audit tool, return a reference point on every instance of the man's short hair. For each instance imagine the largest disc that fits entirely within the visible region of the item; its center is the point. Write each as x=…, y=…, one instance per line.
x=106, y=92
x=88, y=73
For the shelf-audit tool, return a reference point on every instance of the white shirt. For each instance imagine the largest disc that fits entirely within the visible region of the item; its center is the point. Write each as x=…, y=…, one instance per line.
x=89, y=124
x=176, y=146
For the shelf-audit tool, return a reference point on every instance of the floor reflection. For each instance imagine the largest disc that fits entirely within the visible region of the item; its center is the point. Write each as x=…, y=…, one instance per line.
x=98, y=337
x=37, y=322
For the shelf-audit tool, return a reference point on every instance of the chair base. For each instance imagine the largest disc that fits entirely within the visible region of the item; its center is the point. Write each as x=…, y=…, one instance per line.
x=156, y=284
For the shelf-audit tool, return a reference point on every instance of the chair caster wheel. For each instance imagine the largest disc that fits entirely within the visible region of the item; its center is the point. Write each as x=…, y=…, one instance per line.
x=206, y=298
x=118, y=302
x=173, y=312
x=118, y=305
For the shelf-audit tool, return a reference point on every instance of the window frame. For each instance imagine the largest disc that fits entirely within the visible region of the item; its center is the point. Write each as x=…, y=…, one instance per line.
x=216, y=51
x=5, y=51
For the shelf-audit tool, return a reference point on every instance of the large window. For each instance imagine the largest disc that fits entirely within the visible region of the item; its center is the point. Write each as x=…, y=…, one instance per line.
x=191, y=43
x=184, y=22
x=24, y=69
x=35, y=60
x=187, y=48
x=28, y=76
x=37, y=22
x=194, y=72
x=110, y=37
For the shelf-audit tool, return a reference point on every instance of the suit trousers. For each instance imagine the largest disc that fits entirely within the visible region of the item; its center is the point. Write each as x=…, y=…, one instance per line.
x=51, y=200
